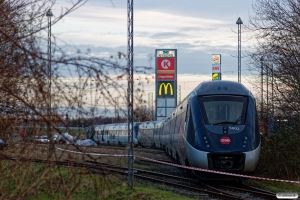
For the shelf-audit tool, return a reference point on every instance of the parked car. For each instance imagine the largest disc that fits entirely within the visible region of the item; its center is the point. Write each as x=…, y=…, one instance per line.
x=41, y=139
x=44, y=139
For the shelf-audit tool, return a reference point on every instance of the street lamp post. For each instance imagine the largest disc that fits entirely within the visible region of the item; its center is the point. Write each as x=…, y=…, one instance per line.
x=239, y=22
x=49, y=15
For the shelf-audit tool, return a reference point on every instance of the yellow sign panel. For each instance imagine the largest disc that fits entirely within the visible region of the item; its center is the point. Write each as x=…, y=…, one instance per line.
x=216, y=76
x=165, y=89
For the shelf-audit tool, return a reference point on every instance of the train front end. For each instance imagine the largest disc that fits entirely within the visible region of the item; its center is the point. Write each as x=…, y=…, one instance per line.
x=222, y=128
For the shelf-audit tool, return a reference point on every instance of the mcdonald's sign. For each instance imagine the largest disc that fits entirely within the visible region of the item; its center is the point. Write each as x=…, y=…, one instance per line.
x=165, y=89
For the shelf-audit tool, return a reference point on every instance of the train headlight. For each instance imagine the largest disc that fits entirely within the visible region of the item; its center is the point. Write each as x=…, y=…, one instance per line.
x=205, y=138
x=245, y=141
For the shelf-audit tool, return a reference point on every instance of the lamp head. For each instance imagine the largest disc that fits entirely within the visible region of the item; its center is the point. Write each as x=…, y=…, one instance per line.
x=239, y=21
x=49, y=13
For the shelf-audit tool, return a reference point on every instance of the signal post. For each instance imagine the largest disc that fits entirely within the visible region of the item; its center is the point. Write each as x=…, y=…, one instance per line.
x=166, y=82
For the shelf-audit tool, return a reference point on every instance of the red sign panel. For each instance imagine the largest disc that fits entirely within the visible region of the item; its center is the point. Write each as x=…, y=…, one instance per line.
x=165, y=64
x=165, y=76
x=216, y=68
x=225, y=140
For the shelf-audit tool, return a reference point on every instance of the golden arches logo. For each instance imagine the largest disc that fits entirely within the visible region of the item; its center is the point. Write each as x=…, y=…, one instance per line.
x=166, y=85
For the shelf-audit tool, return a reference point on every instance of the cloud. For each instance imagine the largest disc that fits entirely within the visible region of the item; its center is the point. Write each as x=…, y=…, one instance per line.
x=167, y=35
x=197, y=29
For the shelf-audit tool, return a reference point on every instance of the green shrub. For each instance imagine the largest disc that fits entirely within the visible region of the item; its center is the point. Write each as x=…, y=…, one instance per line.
x=280, y=155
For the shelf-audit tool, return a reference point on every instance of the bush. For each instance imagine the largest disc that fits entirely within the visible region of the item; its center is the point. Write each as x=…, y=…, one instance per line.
x=280, y=155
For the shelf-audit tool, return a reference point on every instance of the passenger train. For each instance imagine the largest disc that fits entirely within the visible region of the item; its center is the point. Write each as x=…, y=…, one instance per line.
x=215, y=127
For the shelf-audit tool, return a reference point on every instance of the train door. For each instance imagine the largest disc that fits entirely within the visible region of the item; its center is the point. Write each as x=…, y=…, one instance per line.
x=156, y=136
x=106, y=136
x=167, y=136
x=102, y=136
x=174, y=133
x=186, y=119
x=113, y=137
x=162, y=136
x=151, y=130
x=175, y=137
x=135, y=133
x=90, y=133
x=122, y=135
x=171, y=134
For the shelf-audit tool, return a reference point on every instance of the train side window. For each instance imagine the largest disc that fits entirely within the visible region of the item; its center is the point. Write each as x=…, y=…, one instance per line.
x=186, y=111
x=186, y=116
x=179, y=122
x=173, y=126
x=190, y=132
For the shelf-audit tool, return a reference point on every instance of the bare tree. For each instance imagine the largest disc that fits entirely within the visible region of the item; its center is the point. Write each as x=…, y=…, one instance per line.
x=277, y=32
x=276, y=57
x=34, y=99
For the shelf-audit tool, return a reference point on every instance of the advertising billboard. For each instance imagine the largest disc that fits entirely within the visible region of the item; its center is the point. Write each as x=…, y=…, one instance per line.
x=216, y=67
x=166, y=82
x=216, y=76
x=216, y=59
x=165, y=68
x=165, y=89
x=165, y=53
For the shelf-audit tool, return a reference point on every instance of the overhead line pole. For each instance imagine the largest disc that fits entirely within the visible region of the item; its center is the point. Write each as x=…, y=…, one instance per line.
x=130, y=91
x=49, y=14
x=262, y=89
x=150, y=105
x=179, y=95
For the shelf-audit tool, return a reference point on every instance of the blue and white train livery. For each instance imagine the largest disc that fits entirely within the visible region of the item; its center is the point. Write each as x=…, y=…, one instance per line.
x=215, y=127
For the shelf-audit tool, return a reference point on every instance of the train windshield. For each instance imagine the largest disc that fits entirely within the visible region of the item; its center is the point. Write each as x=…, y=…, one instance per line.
x=222, y=109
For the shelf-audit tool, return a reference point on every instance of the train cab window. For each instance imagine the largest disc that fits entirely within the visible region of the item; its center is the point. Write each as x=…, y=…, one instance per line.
x=223, y=109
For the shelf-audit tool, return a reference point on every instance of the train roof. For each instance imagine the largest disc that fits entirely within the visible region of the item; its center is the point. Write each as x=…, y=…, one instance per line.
x=222, y=87
x=147, y=125
x=159, y=124
x=97, y=127
x=121, y=126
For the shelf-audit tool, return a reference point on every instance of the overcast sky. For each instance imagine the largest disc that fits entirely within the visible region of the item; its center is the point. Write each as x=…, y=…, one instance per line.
x=196, y=28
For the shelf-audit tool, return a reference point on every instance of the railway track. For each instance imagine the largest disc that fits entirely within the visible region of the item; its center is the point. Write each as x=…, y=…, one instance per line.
x=242, y=190
x=167, y=176
x=181, y=183
x=236, y=189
